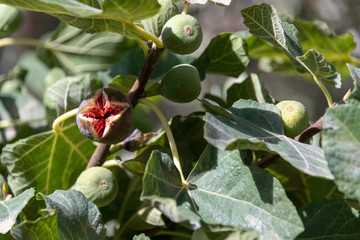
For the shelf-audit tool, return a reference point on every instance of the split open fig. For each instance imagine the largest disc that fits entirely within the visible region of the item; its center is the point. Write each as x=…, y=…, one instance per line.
x=98, y=184
x=105, y=116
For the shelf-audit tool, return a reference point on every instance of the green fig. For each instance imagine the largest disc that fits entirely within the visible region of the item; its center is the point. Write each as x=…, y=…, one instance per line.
x=294, y=116
x=182, y=34
x=181, y=84
x=11, y=19
x=105, y=116
x=98, y=184
x=156, y=23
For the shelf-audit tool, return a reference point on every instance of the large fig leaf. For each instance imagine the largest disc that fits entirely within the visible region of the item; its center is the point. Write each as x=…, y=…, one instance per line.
x=330, y=219
x=78, y=51
x=258, y=126
x=313, y=35
x=44, y=227
x=264, y=23
x=77, y=217
x=94, y=16
x=341, y=142
x=355, y=93
x=222, y=191
x=11, y=208
x=226, y=54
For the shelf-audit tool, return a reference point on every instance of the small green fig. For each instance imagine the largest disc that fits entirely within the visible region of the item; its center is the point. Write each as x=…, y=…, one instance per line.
x=294, y=116
x=181, y=84
x=98, y=184
x=156, y=23
x=11, y=19
x=105, y=116
x=182, y=34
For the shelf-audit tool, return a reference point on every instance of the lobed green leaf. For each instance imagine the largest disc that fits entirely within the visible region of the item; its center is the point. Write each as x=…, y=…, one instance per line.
x=258, y=126
x=77, y=51
x=264, y=23
x=42, y=228
x=355, y=93
x=341, y=142
x=330, y=219
x=10, y=209
x=95, y=16
x=226, y=55
x=223, y=191
x=77, y=217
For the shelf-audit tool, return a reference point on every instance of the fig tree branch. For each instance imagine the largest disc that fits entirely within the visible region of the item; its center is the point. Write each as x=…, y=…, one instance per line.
x=137, y=91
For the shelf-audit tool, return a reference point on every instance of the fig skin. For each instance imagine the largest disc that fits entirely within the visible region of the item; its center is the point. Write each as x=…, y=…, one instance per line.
x=181, y=84
x=98, y=184
x=118, y=130
x=11, y=19
x=156, y=23
x=182, y=34
x=294, y=116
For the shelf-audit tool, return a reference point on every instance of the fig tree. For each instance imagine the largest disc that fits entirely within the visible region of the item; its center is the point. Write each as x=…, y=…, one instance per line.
x=181, y=84
x=156, y=23
x=105, y=116
x=182, y=34
x=98, y=184
x=294, y=117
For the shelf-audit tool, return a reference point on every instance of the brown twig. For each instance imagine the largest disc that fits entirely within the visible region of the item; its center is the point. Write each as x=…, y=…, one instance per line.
x=302, y=137
x=137, y=91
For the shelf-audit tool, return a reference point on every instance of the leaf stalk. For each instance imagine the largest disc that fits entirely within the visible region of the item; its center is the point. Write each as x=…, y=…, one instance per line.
x=170, y=136
x=62, y=118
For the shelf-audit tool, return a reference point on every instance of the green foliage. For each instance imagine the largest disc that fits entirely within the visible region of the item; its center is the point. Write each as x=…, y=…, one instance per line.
x=11, y=19
x=228, y=170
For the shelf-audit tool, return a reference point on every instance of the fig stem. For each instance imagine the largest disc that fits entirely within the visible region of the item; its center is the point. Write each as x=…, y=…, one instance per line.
x=318, y=82
x=62, y=118
x=145, y=34
x=186, y=7
x=143, y=45
x=169, y=135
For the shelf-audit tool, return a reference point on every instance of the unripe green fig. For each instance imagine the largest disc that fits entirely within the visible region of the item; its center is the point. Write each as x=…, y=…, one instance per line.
x=11, y=19
x=181, y=84
x=156, y=23
x=294, y=116
x=182, y=34
x=105, y=116
x=98, y=184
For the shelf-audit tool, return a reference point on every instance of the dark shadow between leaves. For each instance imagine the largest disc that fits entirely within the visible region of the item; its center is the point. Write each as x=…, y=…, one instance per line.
x=264, y=183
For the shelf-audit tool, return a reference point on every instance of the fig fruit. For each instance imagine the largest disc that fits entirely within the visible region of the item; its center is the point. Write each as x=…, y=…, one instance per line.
x=11, y=19
x=181, y=84
x=98, y=184
x=182, y=34
x=105, y=116
x=156, y=23
x=294, y=116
